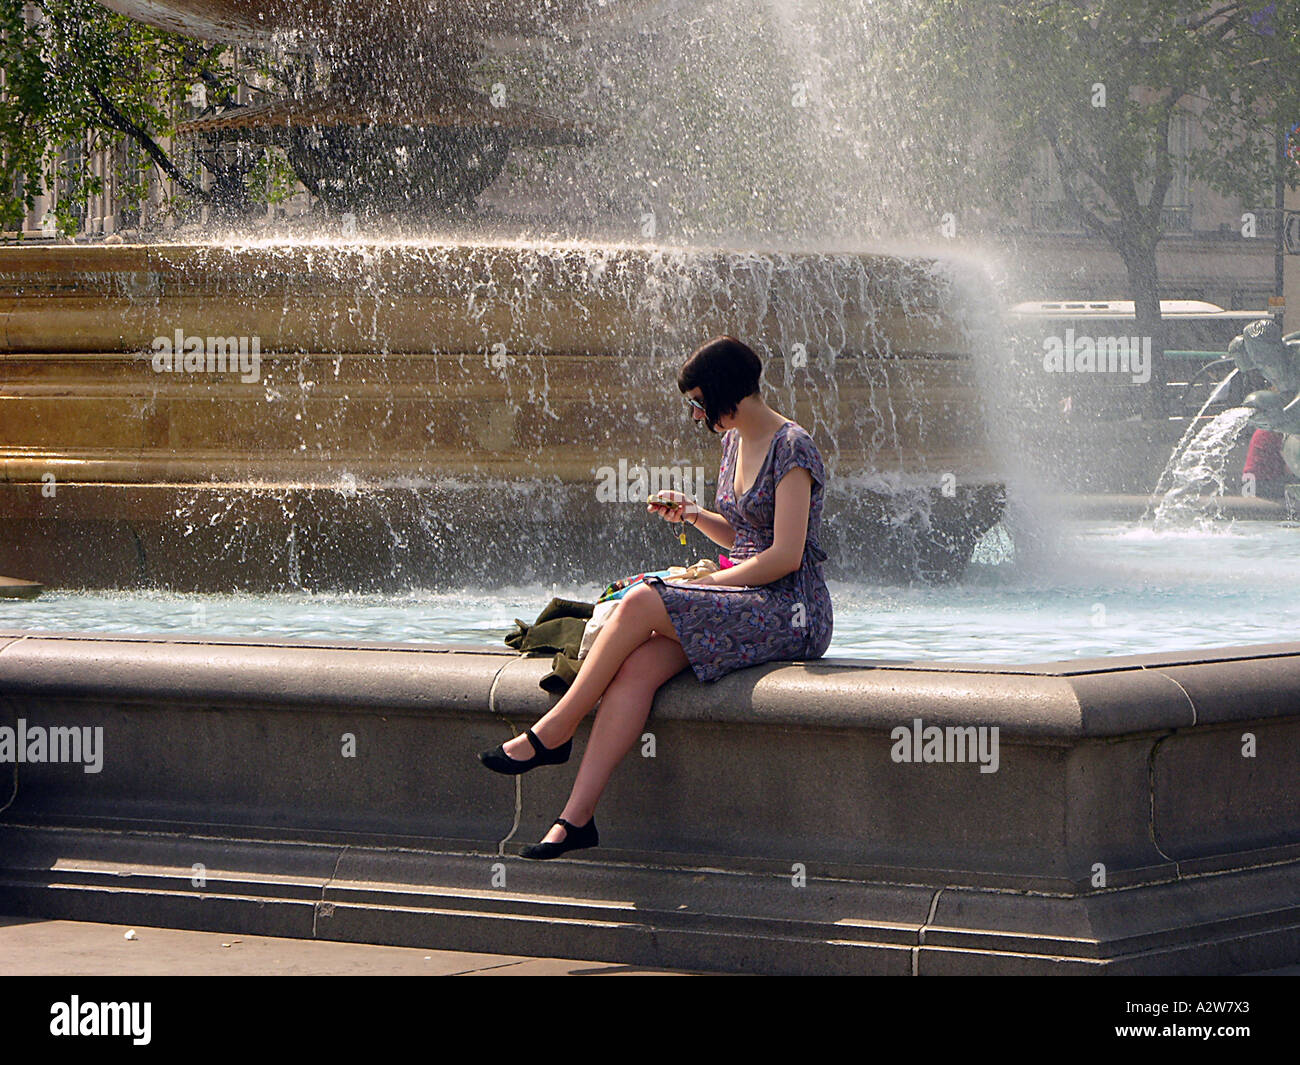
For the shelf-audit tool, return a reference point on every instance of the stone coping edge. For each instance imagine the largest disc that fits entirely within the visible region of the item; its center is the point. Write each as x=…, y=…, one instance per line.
x=1060, y=702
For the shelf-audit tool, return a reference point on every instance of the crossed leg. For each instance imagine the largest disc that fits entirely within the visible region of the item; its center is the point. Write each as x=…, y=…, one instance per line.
x=622, y=714
x=634, y=653
x=640, y=614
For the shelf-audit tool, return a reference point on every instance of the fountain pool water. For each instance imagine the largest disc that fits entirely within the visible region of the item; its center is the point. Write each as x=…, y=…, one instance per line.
x=1113, y=590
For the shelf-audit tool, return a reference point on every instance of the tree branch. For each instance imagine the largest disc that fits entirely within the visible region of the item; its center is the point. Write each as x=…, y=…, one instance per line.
x=1078, y=163
x=1206, y=19
x=123, y=124
x=1091, y=222
x=1100, y=177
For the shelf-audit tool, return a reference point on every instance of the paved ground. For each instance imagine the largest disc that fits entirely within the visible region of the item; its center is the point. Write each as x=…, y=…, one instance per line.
x=36, y=947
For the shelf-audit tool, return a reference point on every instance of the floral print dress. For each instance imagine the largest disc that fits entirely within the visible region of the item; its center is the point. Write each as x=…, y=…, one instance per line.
x=724, y=628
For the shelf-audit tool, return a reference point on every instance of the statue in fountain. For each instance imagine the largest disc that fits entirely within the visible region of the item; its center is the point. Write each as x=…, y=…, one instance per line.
x=1261, y=348
x=397, y=128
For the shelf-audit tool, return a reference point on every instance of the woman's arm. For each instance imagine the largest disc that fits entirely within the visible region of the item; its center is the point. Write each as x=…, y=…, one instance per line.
x=714, y=526
x=789, y=531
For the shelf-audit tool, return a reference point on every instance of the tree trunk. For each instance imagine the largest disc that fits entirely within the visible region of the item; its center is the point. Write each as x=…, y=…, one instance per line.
x=1144, y=284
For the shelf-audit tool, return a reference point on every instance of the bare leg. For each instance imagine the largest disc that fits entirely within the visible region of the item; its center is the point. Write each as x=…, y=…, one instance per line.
x=639, y=614
x=619, y=721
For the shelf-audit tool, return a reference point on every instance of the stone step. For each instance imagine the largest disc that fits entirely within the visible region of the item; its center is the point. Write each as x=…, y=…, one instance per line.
x=602, y=910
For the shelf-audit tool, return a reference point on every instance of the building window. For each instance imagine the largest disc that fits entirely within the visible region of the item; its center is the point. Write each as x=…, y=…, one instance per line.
x=1176, y=215
x=1048, y=210
x=73, y=165
x=131, y=185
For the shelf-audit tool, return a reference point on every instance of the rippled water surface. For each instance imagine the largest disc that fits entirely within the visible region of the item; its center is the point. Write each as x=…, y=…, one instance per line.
x=1110, y=589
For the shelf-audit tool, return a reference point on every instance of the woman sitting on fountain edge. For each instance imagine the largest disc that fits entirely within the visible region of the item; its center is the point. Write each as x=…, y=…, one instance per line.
x=771, y=605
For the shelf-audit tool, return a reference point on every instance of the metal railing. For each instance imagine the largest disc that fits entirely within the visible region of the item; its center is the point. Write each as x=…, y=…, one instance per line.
x=1055, y=216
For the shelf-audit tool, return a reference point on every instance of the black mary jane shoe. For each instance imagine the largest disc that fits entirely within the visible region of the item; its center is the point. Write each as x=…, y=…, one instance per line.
x=499, y=762
x=575, y=838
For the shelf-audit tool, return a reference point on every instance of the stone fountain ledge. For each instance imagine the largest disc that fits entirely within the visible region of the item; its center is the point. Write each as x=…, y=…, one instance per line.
x=363, y=297
x=772, y=830
x=526, y=364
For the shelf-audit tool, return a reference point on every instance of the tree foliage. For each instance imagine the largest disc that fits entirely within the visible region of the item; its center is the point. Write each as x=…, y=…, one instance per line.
x=1100, y=83
x=77, y=74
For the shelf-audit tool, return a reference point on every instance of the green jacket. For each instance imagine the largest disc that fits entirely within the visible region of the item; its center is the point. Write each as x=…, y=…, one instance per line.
x=559, y=629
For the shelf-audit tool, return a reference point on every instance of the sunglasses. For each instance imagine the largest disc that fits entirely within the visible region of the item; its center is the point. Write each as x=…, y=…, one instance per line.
x=694, y=402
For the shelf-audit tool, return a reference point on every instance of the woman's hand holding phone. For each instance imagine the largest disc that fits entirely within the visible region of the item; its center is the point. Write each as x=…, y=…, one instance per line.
x=672, y=505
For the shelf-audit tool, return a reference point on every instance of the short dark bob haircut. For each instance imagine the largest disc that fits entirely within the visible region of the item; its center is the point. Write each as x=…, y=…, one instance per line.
x=726, y=371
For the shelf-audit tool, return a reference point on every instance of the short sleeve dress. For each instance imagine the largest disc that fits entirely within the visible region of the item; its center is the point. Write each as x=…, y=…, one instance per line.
x=724, y=628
